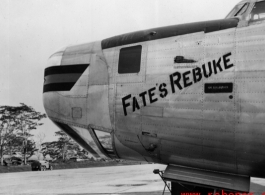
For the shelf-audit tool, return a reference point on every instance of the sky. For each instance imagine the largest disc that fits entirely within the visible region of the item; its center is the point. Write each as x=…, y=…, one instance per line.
x=32, y=30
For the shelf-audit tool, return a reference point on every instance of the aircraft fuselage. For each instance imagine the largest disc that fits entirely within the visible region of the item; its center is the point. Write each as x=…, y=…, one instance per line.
x=190, y=95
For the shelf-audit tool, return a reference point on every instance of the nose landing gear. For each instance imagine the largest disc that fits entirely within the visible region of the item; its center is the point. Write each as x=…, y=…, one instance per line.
x=160, y=173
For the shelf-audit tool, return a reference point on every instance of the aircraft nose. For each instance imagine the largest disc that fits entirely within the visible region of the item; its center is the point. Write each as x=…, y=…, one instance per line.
x=65, y=87
x=75, y=97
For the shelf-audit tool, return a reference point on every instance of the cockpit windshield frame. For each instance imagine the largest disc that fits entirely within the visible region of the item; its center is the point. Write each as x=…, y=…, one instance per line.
x=238, y=10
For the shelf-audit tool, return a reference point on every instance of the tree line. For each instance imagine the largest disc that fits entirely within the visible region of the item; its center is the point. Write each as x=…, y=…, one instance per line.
x=16, y=126
x=64, y=148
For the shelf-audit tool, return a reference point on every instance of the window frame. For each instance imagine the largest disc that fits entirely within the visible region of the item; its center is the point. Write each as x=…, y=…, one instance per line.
x=234, y=13
x=124, y=53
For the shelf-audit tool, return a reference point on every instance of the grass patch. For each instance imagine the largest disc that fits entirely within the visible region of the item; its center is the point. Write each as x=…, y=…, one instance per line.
x=10, y=169
x=87, y=164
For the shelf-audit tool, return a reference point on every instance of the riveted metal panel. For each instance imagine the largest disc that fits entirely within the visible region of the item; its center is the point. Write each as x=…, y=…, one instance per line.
x=77, y=112
x=161, y=53
x=130, y=123
x=97, y=106
x=128, y=151
x=66, y=105
x=152, y=111
x=51, y=104
x=98, y=71
x=250, y=88
x=78, y=54
x=190, y=117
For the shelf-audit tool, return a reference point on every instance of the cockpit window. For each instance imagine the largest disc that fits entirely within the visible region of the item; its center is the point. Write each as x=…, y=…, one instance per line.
x=258, y=12
x=238, y=10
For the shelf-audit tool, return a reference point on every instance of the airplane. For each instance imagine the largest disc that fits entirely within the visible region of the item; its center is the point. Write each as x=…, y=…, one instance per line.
x=190, y=96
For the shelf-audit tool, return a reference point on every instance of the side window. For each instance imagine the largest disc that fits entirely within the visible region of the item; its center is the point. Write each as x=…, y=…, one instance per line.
x=130, y=60
x=258, y=12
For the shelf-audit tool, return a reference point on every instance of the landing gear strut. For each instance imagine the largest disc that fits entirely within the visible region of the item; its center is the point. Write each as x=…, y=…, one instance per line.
x=160, y=173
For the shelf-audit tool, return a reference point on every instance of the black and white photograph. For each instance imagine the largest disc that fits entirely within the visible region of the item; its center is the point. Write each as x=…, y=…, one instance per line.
x=132, y=97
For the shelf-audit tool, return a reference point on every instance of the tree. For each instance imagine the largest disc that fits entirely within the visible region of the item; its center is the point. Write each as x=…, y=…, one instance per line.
x=63, y=148
x=39, y=140
x=16, y=122
x=67, y=144
x=51, y=148
x=40, y=137
x=13, y=144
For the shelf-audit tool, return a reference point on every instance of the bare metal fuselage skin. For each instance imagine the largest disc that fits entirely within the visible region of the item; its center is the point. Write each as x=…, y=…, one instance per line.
x=197, y=101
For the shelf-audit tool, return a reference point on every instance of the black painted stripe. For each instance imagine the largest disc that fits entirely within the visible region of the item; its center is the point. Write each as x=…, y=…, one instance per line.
x=169, y=31
x=68, y=130
x=62, y=78
x=58, y=87
x=66, y=69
